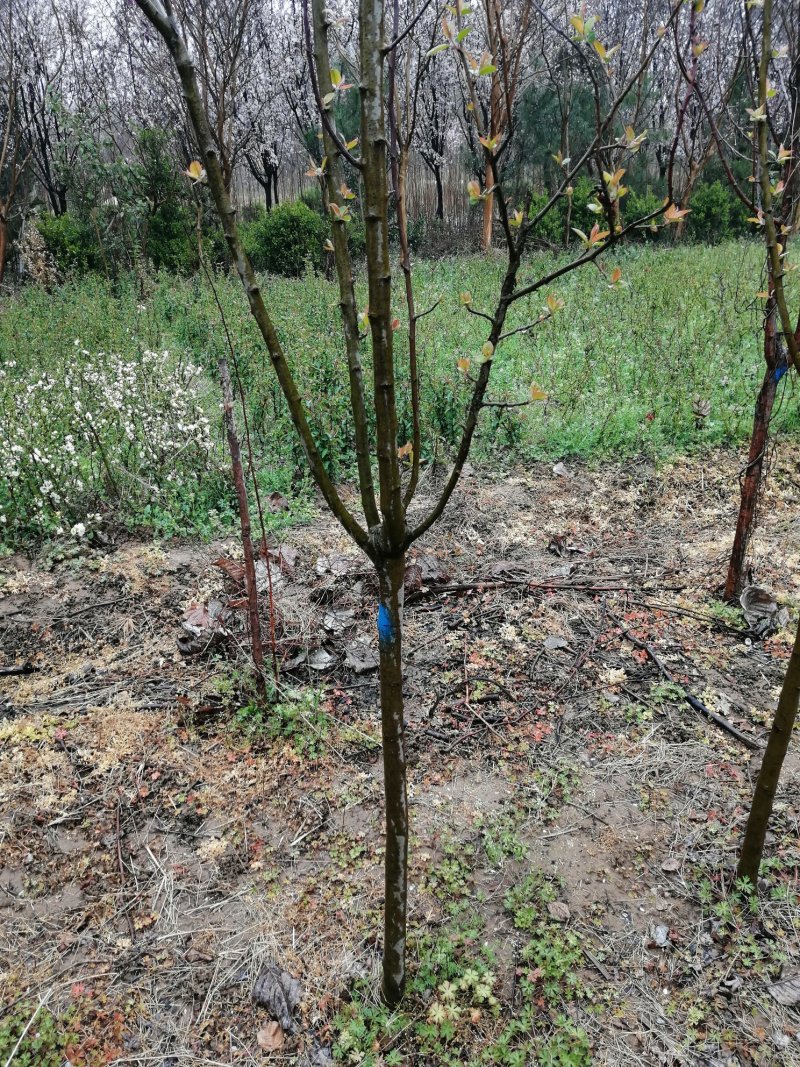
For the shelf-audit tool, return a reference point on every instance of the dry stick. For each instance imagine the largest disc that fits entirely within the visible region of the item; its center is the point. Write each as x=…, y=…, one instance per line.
x=692, y=701
x=23, y=668
x=521, y=583
x=121, y=866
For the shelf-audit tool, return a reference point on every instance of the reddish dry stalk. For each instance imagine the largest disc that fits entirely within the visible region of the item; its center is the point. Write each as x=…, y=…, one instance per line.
x=250, y=575
x=259, y=507
x=244, y=519
x=234, y=448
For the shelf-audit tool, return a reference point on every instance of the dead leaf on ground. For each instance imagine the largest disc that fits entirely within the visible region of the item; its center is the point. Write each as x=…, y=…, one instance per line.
x=761, y=611
x=234, y=570
x=360, y=658
x=277, y=502
x=268, y=573
x=554, y=642
x=320, y=660
x=203, y=626
x=558, y=910
x=661, y=936
x=277, y=991
x=338, y=620
x=334, y=564
x=787, y=990
x=270, y=1037
x=412, y=579
x=285, y=556
x=432, y=568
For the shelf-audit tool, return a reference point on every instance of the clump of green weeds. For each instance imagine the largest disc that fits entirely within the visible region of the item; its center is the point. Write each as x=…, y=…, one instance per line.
x=298, y=716
x=500, y=835
x=31, y=1038
x=453, y=1012
x=451, y=994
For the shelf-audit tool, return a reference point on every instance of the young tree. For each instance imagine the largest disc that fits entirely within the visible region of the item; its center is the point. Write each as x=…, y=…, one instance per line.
x=506, y=29
x=43, y=84
x=778, y=173
x=388, y=525
x=709, y=57
x=775, y=123
x=434, y=106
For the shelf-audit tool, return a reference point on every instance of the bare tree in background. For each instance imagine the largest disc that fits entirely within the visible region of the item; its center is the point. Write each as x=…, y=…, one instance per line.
x=15, y=149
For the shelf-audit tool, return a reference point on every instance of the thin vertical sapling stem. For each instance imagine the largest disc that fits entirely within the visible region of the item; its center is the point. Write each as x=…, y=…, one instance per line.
x=243, y=505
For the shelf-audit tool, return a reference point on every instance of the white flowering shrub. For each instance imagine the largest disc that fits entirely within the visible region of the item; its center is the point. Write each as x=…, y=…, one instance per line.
x=133, y=432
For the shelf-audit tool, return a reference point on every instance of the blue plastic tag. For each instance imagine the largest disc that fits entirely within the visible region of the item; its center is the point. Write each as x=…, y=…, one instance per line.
x=385, y=626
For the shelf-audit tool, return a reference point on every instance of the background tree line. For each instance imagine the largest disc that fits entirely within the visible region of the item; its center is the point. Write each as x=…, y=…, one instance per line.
x=94, y=142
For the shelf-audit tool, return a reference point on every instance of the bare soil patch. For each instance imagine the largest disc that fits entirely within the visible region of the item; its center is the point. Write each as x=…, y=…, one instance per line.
x=156, y=847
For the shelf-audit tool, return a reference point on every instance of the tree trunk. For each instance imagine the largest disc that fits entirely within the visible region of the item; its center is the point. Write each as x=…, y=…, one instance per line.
x=488, y=209
x=390, y=626
x=695, y=170
x=565, y=155
x=751, y=485
x=568, y=221
x=769, y=775
x=3, y=246
x=437, y=174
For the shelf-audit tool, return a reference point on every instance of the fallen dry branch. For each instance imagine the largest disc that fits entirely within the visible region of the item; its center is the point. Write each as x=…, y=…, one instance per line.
x=692, y=701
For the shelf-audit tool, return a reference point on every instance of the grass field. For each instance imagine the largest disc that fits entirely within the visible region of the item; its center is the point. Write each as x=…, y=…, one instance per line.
x=87, y=423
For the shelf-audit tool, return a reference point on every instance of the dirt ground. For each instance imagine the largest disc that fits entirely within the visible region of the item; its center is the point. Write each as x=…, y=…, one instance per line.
x=158, y=844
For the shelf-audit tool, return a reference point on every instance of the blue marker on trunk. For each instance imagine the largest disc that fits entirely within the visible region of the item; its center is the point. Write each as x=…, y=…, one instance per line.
x=385, y=626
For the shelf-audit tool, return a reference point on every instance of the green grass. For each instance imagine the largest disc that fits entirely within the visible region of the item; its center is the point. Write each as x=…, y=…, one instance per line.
x=622, y=368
